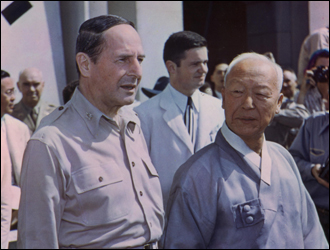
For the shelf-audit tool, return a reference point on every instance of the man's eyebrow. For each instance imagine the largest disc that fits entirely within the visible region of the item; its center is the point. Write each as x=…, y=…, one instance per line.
x=131, y=55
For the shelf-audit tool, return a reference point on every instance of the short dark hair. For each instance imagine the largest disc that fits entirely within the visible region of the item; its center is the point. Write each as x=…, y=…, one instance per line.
x=90, y=39
x=68, y=90
x=4, y=74
x=179, y=42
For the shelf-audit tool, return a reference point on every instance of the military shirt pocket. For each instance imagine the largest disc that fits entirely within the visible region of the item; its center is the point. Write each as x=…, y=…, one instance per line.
x=248, y=213
x=102, y=193
x=151, y=169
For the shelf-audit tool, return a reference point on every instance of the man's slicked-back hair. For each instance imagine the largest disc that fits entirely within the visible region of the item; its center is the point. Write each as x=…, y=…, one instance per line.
x=179, y=42
x=90, y=39
x=4, y=74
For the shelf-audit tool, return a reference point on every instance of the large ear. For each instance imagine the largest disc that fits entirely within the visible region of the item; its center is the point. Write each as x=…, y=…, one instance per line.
x=19, y=87
x=223, y=97
x=84, y=64
x=279, y=103
x=171, y=67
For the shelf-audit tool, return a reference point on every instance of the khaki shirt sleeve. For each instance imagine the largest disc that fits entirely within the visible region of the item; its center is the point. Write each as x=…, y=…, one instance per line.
x=42, y=203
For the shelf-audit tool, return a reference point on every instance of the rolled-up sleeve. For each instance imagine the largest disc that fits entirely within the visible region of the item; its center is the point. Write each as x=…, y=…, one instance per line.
x=42, y=203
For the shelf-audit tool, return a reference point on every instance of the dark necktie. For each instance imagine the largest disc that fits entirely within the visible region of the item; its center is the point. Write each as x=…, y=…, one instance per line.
x=189, y=118
x=34, y=116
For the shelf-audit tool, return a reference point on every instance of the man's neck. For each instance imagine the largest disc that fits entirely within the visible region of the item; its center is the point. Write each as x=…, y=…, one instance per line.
x=254, y=144
x=183, y=91
x=28, y=105
x=111, y=112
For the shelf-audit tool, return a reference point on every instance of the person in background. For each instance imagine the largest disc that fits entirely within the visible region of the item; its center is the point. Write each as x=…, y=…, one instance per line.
x=317, y=40
x=68, y=90
x=160, y=85
x=243, y=191
x=310, y=150
x=31, y=108
x=218, y=78
x=207, y=89
x=314, y=92
x=180, y=120
x=285, y=125
x=14, y=137
x=87, y=178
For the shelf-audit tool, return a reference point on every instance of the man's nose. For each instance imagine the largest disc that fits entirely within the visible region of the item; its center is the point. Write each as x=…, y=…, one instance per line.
x=135, y=69
x=248, y=102
x=203, y=68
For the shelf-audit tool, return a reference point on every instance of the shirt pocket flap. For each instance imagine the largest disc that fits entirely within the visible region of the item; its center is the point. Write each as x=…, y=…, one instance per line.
x=89, y=178
x=248, y=213
x=148, y=164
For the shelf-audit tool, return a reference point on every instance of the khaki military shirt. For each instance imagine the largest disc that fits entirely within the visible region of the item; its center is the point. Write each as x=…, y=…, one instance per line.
x=88, y=182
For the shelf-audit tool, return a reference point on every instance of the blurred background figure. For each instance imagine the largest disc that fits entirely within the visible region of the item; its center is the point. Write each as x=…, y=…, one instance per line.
x=218, y=78
x=68, y=90
x=314, y=92
x=319, y=39
x=207, y=88
x=14, y=137
x=160, y=85
x=310, y=150
x=285, y=125
x=31, y=108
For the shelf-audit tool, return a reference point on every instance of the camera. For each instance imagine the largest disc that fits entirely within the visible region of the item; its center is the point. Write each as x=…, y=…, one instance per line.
x=320, y=74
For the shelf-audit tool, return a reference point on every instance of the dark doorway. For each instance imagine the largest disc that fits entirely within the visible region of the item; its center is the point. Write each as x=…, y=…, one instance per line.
x=222, y=23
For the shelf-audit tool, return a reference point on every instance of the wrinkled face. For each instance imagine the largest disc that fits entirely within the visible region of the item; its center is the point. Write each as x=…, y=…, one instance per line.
x=118, y=71
x=218, y=76
x=31, y=84
x=7, y=96
x=251, y=98
x=289, y=84
x=192, y=71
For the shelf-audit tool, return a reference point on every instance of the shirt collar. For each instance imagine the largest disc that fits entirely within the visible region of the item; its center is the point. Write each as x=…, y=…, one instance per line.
x=263, y=163
x=36, y=108
x=181, y=99
x=92, y=115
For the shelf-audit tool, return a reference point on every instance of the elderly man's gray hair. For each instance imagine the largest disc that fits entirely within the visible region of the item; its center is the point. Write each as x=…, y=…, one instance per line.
x=253, y=55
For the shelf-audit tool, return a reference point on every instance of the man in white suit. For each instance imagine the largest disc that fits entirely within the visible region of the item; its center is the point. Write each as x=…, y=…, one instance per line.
x=181, y=120
x=14, y=137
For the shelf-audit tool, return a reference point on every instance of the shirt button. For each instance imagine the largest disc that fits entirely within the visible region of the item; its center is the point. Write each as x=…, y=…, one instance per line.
x=249, y=220
x=100, y=179
x=133, y=164
x=141, y=193
x=246, y=208
x=61, y=108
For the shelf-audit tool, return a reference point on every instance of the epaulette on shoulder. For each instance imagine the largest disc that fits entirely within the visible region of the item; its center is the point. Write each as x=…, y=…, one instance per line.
x=53, y=116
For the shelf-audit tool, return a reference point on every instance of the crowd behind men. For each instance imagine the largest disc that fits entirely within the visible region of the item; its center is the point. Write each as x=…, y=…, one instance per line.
x=181, y=170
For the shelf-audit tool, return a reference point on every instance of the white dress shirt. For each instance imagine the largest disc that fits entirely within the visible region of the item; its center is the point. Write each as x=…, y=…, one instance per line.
x=181, y=101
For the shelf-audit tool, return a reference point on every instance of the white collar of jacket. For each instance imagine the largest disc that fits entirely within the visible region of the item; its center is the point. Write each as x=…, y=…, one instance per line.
x=263, y=163
x=181, y=100
x=92, y=115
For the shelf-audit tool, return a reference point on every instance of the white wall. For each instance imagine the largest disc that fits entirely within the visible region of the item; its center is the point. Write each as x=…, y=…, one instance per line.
x=318, y=14
x=155, y=22
x=29, y=42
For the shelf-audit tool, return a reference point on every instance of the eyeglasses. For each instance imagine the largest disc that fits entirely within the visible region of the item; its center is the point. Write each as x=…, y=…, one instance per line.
x=10, y=92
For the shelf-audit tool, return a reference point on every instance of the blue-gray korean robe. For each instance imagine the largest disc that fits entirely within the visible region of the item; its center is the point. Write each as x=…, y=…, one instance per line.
x=218, y=201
